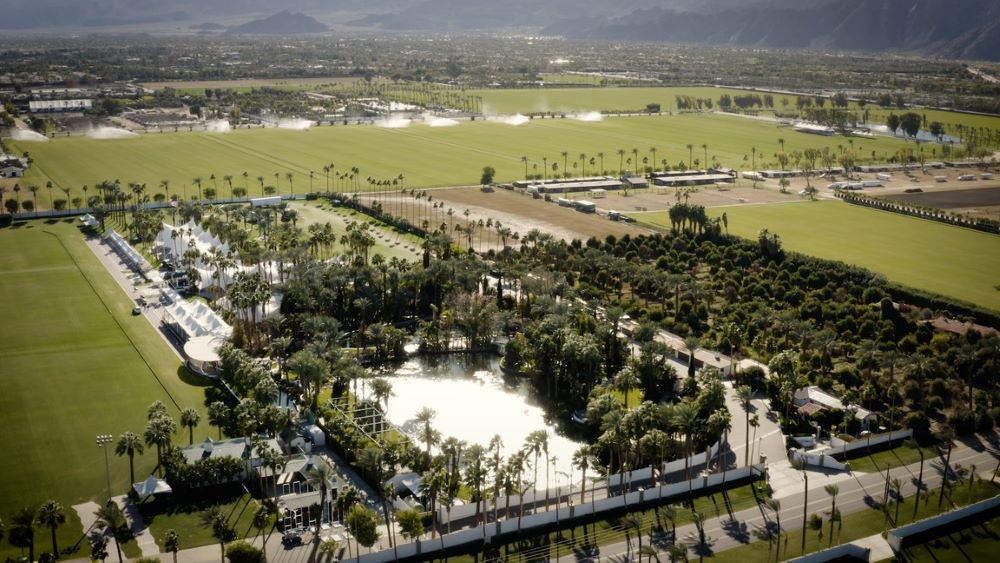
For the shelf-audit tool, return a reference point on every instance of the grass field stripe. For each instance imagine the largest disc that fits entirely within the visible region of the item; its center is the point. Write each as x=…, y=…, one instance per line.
x=115, y=318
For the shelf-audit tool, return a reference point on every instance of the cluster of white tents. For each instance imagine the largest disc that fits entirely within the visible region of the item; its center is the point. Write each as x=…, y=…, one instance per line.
x=172, y=243
x=194, y=319
x=134, y=260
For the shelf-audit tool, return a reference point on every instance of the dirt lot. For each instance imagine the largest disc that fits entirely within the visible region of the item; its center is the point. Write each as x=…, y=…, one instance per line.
x=517, y=212
x=977, y=198
x=659, y=199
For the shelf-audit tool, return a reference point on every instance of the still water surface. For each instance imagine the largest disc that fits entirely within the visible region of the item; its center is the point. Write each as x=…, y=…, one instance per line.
x=473, y=402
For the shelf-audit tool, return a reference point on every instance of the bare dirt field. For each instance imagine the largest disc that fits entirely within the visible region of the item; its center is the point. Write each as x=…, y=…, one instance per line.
x=658, y=199
x=954, y=199
x=519, y=213
x=978, y=198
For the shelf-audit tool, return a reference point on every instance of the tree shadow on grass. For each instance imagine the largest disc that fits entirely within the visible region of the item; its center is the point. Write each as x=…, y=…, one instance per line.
x=190, y=502
x=195, y=380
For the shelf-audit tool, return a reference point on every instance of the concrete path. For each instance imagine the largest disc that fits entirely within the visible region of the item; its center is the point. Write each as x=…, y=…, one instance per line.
x=879, y=548
x=88, y=514
x=133, y=284
x=146, y=541
x=766, y=439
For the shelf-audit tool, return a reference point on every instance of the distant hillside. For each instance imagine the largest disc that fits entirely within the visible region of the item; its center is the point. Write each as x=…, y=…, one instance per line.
x=966, y=29
x=282, y=23
x=209, y=26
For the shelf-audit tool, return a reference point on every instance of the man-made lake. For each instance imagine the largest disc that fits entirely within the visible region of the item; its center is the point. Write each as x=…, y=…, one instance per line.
x=473, y=402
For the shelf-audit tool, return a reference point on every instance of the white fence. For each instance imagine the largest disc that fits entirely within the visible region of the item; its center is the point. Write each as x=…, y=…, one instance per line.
x=864, y=443
x=569, y=515
x=532, y=499
x=846, y=552
x=824, y=457
x=924, y=530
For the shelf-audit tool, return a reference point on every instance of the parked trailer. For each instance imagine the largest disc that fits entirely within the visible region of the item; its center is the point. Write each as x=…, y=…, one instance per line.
x=272, y=201
x=967, y=177
x=986, y=176
x=872, y=184
x=884, y=177
x=940, y=179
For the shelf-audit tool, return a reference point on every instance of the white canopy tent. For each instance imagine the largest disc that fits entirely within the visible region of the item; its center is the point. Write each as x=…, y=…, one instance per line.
x=151, y=486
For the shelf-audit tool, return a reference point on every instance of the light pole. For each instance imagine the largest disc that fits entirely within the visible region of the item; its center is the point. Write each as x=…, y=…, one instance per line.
x=102, y=442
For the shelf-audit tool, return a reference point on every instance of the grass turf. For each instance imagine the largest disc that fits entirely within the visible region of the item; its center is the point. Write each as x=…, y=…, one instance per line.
x=978, y=543
x=443, y=156
x=951, y=261
x=74, y=363
x=321, y=211
x=527, y=100
x=186, y=516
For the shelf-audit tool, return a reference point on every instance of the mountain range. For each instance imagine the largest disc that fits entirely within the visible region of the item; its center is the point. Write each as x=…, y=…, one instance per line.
x=948, y=28
x=968, y=29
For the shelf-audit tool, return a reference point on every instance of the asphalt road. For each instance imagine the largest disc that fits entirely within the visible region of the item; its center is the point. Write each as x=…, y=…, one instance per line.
x=856, y=495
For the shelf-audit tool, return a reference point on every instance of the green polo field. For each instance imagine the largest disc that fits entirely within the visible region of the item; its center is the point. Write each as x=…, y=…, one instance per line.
x=958, y=263
x=74, y=363
x=426, y=156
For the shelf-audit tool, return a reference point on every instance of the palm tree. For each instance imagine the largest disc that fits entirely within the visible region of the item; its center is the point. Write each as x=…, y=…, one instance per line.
x=130, y=444
x=920, y=477
x=157, y=433
x=632, y=523
x=833, y=490
x=704, y=147
x=775, y=505
x=690, y=149
x=424, y=418
x=382, y=390
x=801, y=465
x=218, y=415
x=110, y=518
x=669, y=513
x=583, y=459
x=189, y=419
x=699, y=522
x=291, y=188
x=217, y=520
x=321, y=477
x=171, y=542
x=51, y=515
x=691, y=343
x=744, y=393
x=688, y=420
x=262, y=521
x=432, y=484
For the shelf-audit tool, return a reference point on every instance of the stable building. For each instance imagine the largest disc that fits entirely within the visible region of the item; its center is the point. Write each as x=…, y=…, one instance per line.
x=59, y=106
x=700, y=179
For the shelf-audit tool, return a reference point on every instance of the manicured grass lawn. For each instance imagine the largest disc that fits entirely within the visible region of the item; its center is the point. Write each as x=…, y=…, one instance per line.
x=978, y=543
x=74, y=363
x=443, y=156
x=508, y=101
x=185, y=515
x=859, y=525
x=951, y=261
x=339, y=217
x=526, y=100
x=903, y=455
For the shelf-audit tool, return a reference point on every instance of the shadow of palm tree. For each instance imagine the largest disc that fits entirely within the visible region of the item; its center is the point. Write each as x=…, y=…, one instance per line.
x=737, y=530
